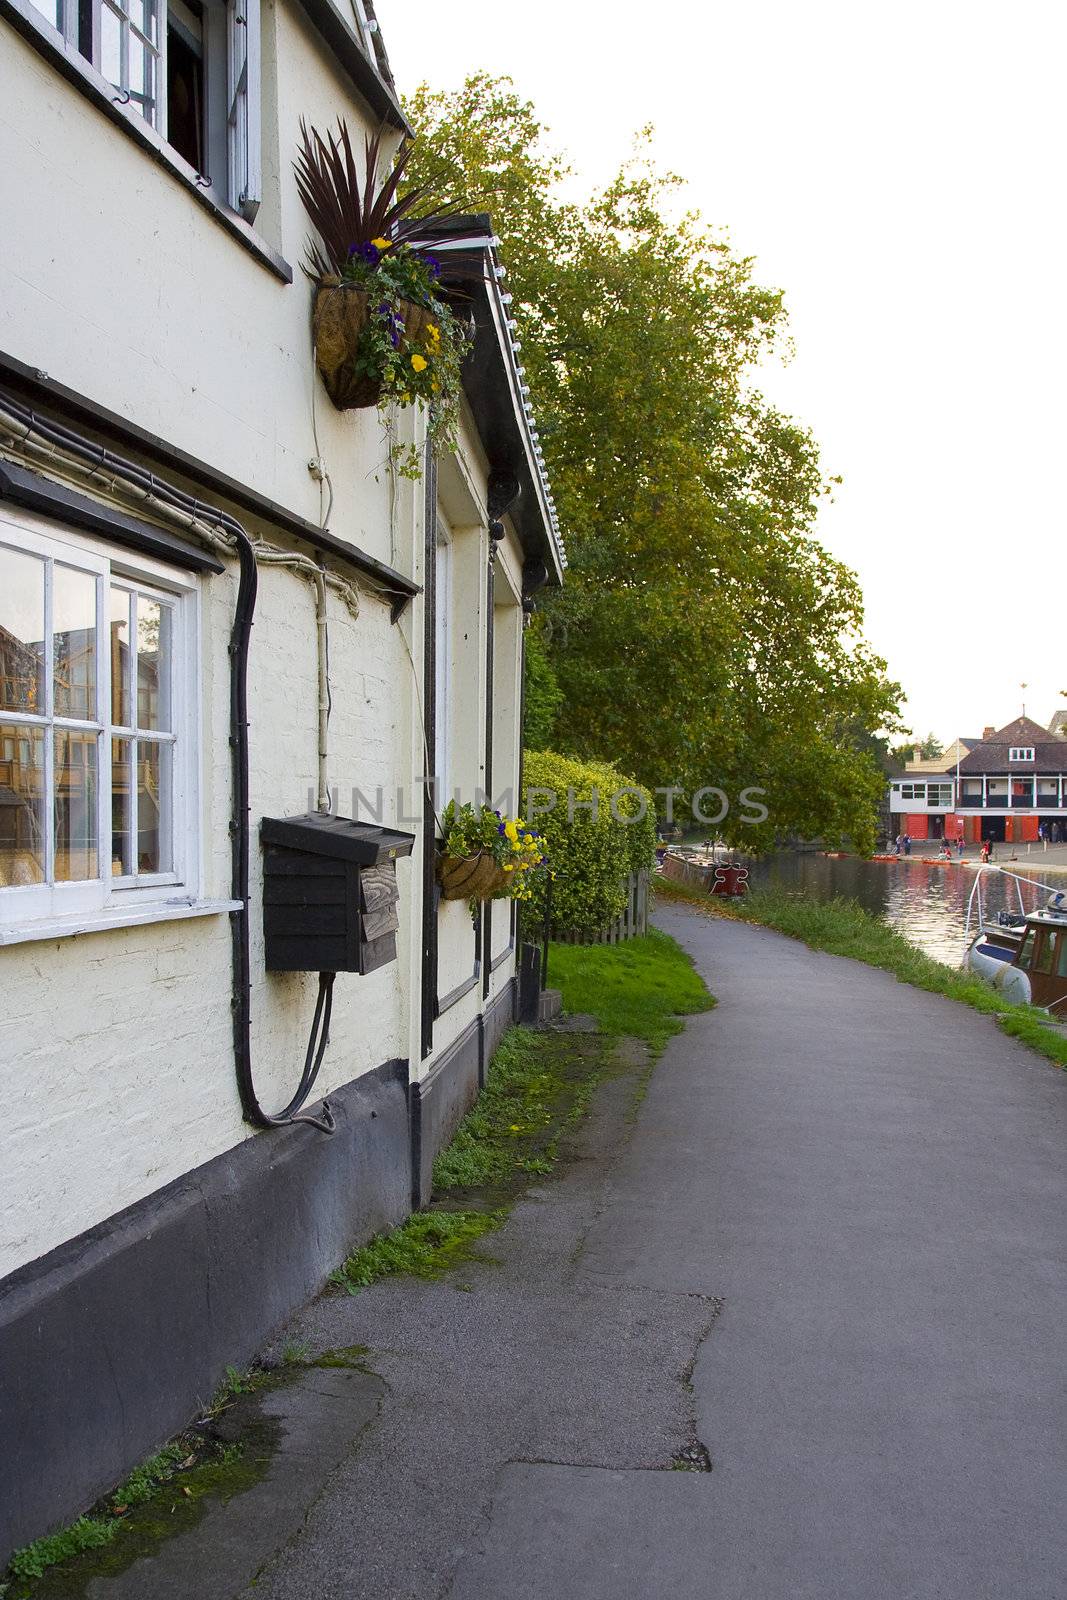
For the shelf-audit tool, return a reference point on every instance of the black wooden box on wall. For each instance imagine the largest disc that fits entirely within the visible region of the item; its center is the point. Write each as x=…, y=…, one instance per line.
x=329, y=893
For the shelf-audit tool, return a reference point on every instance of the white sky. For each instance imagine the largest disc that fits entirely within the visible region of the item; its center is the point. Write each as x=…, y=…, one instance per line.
x=899, y=172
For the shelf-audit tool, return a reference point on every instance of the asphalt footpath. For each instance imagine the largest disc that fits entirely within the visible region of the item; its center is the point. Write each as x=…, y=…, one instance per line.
x=791, y=1323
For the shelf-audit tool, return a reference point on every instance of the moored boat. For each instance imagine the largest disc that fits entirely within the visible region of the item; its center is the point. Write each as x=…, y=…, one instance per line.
x=1024, y=957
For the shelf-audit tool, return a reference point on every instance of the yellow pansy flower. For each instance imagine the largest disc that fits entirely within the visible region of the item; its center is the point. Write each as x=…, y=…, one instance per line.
x=381, y=244
x=419, y=363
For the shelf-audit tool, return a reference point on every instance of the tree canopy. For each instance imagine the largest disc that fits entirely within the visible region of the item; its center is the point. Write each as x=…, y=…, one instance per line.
x=929, y=749
x=703, y=637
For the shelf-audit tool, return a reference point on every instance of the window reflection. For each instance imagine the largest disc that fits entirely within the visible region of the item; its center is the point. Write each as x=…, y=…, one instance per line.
x=22, y=843
x=153, y=664
x=21, y=631
x=153, y=806
x=121, y=809
x=74, y=644
x=119, y=618
x=75, y=806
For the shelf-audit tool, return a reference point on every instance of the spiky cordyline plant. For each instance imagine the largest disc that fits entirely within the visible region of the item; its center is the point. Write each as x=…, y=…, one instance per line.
x=397, y=339
x=349, y=215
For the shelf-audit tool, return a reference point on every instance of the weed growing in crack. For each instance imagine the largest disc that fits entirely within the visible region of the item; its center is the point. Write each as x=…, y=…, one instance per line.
x=426, y=1245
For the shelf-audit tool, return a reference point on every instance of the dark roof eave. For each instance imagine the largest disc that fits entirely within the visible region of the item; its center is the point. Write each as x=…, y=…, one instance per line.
x=487, y=384
x=346, y=49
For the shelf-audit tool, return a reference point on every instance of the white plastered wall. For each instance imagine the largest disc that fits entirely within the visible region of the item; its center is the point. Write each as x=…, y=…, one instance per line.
x=119, y=1043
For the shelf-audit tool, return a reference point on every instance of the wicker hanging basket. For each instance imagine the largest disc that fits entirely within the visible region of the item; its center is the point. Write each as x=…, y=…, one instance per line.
x=470, y=877
x=338, y=319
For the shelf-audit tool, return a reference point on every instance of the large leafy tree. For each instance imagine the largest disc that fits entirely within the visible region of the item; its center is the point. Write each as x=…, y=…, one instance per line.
x=703, y=637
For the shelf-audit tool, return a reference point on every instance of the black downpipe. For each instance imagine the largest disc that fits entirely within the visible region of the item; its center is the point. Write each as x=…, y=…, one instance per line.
x=118, y=466
x=240, y=639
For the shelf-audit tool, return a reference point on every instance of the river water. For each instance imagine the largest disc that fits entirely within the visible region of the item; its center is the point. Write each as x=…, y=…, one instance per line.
x=927, y=904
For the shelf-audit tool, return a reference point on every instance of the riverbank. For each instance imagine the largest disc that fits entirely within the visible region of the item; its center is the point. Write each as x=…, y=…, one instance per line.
x=843, y=928
x=1030, y=860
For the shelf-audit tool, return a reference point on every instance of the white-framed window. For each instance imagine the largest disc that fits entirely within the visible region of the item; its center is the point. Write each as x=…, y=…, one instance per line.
x=443, y=665
x=192, y=70
x=98, y=726
x=1021, y=752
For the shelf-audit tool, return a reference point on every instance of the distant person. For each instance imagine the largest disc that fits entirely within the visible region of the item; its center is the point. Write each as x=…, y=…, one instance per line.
x=959, y=846
x=907, y=844
x=898, y=844
x=985, y=852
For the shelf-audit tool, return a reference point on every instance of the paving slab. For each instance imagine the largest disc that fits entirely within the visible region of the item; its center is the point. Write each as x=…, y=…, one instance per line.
x=555, y=1532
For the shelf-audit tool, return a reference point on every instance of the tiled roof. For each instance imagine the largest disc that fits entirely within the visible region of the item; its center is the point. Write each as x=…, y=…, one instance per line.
x=991, y=755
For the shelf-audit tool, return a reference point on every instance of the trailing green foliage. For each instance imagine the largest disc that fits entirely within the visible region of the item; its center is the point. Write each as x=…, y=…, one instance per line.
x=703, y=636
x=844, y=928
x=642, y=988
x=590, y=817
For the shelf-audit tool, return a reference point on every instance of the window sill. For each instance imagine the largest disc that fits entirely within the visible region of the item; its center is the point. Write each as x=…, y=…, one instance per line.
x=124, y=917
x=48, y=42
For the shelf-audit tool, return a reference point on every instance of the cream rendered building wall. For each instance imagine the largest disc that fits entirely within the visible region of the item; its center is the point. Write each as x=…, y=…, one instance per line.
x=121, y=1041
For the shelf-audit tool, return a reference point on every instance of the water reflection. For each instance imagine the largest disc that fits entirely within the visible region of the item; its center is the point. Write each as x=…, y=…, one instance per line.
x=928, y=905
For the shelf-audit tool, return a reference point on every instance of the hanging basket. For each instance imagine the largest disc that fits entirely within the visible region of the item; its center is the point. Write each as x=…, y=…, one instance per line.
x=470, y=877
x=338, y=319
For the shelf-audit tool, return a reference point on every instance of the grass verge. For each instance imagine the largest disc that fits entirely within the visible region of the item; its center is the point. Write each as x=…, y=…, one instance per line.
x=643, y=988
x=843, y=928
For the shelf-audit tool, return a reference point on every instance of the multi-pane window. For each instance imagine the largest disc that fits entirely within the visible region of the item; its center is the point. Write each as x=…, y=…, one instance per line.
x=94, y=759
x=1021, y=752
x=128, y=48
x=191, y=68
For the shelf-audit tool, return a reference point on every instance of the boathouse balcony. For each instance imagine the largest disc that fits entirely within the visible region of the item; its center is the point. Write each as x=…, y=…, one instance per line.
x=1013, y=794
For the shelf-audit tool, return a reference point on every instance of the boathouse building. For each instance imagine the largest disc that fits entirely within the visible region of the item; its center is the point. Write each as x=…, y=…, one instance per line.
x=1003, y=787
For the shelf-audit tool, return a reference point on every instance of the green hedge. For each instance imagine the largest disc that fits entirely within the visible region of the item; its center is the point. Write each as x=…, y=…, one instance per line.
x=591, y=856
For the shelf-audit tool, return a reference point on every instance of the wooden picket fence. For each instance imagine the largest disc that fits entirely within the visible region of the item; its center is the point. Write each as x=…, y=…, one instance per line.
x=629, y=924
